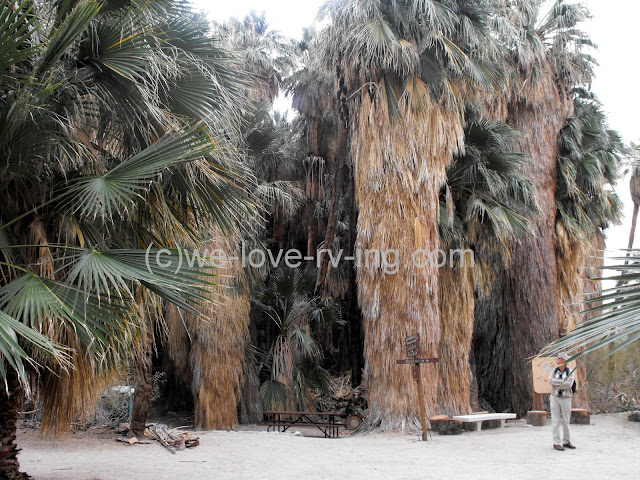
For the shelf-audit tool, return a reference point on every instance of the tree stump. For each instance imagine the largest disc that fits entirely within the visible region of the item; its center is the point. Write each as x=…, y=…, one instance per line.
x=537, y=418
x=471, y=426
x=353, y=422
x=436, y=421
x=634, y=416
x=450, y=427
x=580, y=416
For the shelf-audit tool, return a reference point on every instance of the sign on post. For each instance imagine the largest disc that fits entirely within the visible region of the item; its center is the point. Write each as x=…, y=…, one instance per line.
x=412, y=347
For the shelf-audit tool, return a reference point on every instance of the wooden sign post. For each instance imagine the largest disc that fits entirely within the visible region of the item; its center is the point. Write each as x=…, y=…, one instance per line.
x=412, y=345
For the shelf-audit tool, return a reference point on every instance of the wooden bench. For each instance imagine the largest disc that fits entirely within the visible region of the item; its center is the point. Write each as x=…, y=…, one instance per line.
x=474, y=422
x=326, y=422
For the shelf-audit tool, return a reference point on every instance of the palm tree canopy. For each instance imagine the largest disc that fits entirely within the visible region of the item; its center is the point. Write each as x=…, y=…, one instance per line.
x=486, y=195
x=119, y=131
x=588, y=167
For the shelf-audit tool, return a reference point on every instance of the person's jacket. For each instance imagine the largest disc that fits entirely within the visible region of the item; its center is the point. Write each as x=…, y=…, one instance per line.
x=561, y=382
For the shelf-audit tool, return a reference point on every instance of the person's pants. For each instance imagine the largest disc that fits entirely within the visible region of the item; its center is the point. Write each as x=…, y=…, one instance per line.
x=560, y=414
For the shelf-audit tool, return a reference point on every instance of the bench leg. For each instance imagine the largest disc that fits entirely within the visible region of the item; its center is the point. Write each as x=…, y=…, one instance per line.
x=472, y=426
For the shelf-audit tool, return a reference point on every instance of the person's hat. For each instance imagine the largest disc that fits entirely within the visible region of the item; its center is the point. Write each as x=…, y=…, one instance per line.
x=564, y=356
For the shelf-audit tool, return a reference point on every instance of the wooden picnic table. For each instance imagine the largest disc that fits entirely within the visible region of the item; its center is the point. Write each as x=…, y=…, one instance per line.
x=282, y=420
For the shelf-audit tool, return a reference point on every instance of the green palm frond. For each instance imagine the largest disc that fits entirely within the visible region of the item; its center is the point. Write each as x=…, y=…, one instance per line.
x=108, y=50
x=302, y=342
x=489, y=196
x=13, y=333
x=38, y=302
x=96, y=162
x=108, y=271
x=115, y=190
x=588, y=164
x=615, y=314
x=16, y=27
x=274, y=395
x=66, y=33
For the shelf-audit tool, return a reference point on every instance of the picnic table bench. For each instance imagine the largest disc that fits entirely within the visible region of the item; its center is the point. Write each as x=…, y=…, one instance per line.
x=474, y=422
x=326, y=422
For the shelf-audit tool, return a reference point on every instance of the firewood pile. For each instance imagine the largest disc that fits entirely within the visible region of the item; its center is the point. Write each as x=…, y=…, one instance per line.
x=171, y=438
x=344, y=399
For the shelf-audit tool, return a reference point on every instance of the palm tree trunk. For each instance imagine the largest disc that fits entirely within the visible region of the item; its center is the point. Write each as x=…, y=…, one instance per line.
x=474, y=397
x=313, y=138
x=9, y=405
x=310, y=234
x=218, y=343
x=457, y=303
x=399, y=168
x=277, y=228
x=354, y=315
x=634, y=220
x=526, y=309
x=490, y=336
x=335, y=158
x=142, y=393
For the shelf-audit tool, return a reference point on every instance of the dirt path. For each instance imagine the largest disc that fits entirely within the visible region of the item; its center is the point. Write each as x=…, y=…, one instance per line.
x=608, y=448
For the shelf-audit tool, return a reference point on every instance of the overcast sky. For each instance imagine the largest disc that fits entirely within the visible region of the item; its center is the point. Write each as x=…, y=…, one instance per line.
x=614, y=28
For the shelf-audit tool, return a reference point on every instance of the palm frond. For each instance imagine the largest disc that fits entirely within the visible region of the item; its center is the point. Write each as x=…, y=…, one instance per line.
x=67, y=33
x=115, y=190
x=617, y=319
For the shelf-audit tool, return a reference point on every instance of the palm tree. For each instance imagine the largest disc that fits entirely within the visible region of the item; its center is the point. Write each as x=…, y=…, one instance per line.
x=588, y=167
x=319, y=97
x=485, y=203
x=208, y=351
x=548, y=61
x=101, y=155
x=266, y=54
x=293, y=361
x=406, y=67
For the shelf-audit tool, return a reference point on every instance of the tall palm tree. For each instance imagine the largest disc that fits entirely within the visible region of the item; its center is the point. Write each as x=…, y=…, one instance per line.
x=485, y=203
x=109, y=143
x=406, y=67
x=548, y=60
x=207, y=352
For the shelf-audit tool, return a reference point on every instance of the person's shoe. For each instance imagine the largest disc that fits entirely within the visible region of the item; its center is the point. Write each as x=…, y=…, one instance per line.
x=558, y=447
x=569, y=445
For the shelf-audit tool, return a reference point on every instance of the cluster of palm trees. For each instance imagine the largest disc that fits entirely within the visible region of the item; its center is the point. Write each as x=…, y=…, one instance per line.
x=120, y=130
x=419, y=82
x=424, y=124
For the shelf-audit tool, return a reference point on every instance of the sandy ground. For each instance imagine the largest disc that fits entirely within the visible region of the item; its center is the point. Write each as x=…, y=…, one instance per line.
x=608, y=448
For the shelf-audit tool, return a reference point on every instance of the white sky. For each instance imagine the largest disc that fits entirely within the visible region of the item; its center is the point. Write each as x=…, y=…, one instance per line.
x=287, y=16
x=614, y=29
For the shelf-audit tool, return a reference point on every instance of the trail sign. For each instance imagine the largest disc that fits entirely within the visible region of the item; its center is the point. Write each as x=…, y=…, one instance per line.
x=409, y=361
x=412, y=346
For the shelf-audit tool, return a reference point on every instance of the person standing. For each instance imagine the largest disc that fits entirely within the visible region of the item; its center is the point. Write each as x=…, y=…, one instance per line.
x=562, y=388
